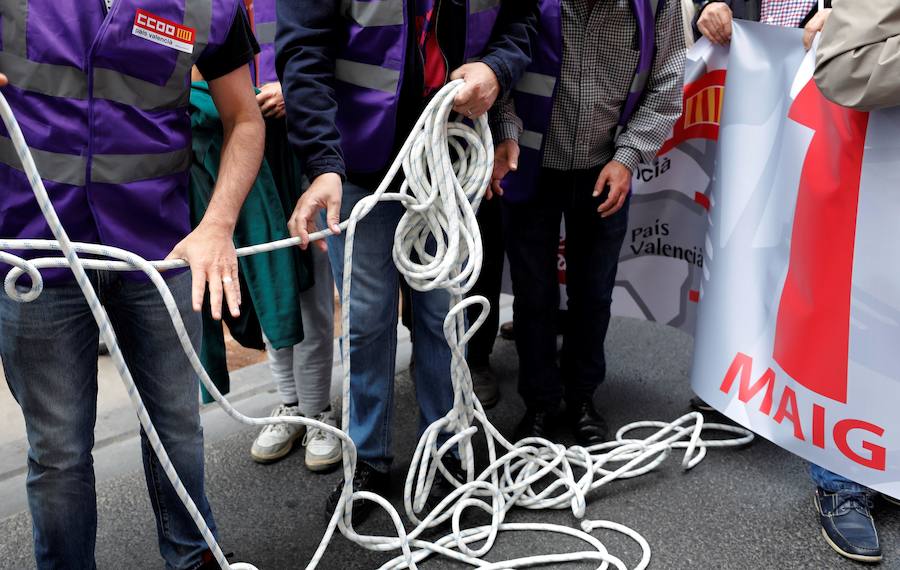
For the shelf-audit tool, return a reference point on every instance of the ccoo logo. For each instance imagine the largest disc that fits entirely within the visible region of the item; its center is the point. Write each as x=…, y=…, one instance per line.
x=163, y=31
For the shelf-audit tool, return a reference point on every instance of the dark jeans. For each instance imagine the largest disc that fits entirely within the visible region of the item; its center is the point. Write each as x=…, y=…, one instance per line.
x=531, y=230
x=49, y=351
x=490, y=222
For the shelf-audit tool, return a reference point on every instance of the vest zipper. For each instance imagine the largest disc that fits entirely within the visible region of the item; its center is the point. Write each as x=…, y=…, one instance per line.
x=437, y=38
x=89, y=70
x=420, y=49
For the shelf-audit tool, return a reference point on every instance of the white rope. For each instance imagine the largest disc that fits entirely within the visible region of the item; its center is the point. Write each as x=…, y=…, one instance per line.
x=441, y=194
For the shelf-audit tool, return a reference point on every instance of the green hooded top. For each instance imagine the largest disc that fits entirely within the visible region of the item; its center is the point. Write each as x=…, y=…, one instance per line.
x=270, y=282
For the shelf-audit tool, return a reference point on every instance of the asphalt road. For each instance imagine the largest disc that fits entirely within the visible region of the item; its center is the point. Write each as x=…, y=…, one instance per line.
x=739, y=509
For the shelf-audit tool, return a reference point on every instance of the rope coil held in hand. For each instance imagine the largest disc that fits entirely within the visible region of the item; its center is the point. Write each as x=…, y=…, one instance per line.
x=441, y=193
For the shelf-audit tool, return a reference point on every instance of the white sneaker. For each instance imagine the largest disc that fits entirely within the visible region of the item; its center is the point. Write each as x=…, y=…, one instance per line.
x=276, y=441
x=323, y=449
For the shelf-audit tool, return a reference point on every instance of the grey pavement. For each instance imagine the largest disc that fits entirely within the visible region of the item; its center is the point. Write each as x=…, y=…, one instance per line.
x=739, y=509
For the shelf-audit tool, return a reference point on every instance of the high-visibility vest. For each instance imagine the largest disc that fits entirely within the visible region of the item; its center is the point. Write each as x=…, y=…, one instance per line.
x=369, y=73
x=103, y=103
x=264, y=27
x=534, y=94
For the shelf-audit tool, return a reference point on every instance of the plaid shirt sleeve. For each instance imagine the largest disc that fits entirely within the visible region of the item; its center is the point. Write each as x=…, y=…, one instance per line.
x=662, y=104
x=505, y=123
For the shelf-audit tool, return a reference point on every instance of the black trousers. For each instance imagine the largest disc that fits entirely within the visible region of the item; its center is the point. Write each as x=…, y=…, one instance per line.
x=593, y=244
x=490, y=221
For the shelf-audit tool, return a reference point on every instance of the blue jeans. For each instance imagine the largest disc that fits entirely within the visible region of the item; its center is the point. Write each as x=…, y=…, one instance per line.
x=374, y=299
x=49, y=352
x=832, y=482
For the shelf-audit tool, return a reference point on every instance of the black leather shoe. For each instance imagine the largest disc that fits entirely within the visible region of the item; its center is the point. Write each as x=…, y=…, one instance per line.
x=366, y=478
x=699, y=405
x=535, y=423
x=485, y=385
x=847, y=524
x=442, y=487
x=587, y=425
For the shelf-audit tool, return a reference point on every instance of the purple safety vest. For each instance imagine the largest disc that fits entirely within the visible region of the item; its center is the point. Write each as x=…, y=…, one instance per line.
x=264, y=26
x=369, y=73
x=103, y=103
x=535, y=92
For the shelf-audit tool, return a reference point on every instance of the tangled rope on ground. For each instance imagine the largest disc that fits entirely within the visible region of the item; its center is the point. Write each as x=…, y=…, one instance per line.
x=447, y=167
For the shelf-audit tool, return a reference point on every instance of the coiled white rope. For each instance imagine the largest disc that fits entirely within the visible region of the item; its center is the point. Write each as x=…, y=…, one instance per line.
x=441, y=194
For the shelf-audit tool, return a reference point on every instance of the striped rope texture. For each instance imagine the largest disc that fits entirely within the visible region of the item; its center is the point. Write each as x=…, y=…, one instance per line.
x=447, y=166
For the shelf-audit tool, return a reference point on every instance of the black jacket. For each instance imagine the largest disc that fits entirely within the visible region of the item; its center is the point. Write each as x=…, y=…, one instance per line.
x=309, y=36
x=748, y=10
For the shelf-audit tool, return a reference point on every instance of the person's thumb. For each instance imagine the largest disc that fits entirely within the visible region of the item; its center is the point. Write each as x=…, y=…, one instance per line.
x=808, y=35
x=459, y=73
x=514, y=157
x=602, y=181
x=333, y=215
x=176, y=254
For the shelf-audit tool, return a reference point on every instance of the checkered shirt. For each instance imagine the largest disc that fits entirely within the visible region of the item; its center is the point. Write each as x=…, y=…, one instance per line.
x=788, y=13
x=600, y=57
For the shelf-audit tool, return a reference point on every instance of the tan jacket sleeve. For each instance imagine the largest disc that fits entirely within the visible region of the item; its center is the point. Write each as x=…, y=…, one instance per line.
x=858, y=59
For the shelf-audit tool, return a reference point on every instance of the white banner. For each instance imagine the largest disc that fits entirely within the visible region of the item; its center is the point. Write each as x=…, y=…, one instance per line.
x=662, y=258
x=800, y=304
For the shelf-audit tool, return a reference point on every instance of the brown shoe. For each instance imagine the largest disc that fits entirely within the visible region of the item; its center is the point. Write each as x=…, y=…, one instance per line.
x=507, y=332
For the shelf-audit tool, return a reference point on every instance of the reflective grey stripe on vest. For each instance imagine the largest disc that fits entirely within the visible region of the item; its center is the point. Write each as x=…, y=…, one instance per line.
x=128, y=90
x=532, y=140
x=125, y=168
x=14, y=29
x=62, y=168
x=368, y=76
x=537, y=84
x=14, y=41
x=106, y=168
x=476, y=6
x=134, y=92
x=45, y=78
x=376, y=13
x=265, y=33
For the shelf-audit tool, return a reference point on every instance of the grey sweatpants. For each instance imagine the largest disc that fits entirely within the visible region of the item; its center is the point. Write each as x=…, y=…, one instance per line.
x=303, y=372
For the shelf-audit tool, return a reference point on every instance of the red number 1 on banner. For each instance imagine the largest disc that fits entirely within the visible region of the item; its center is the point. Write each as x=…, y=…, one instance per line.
x=812, y=337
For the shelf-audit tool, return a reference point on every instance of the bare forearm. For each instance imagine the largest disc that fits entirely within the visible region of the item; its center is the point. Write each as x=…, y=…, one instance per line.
x=241, y=158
